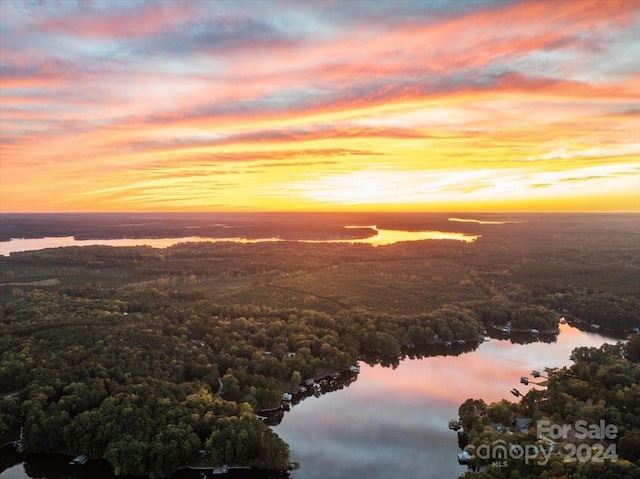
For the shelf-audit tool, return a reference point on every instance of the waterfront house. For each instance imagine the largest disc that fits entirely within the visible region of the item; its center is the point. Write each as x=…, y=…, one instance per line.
x=522, y=424
x=497, y=427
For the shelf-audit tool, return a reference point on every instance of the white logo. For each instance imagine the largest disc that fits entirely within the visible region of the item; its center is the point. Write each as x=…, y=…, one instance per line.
x=500, y=452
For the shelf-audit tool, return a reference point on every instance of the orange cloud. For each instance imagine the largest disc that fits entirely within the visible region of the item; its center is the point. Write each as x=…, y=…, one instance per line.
x=419, y=106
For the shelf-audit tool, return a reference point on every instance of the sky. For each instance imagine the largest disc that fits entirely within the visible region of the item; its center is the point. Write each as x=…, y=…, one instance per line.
x=344, y=105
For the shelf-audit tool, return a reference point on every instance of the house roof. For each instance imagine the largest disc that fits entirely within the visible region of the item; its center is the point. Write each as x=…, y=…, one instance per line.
x=523, y=423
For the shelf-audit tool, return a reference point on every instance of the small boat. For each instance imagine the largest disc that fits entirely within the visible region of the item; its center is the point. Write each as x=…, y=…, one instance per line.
x=78, y=460
x=354, y=369
x=464, y=458
x=317, y=389
x=220, y=470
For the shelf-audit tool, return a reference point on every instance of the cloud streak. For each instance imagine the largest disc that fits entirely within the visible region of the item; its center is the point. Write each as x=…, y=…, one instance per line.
x=292, y=101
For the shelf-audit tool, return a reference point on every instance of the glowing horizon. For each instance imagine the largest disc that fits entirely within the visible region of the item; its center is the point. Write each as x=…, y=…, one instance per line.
x=475, y=106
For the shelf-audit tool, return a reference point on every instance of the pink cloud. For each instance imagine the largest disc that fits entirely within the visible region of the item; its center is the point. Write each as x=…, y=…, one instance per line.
x=105, y=83
x=144, y=19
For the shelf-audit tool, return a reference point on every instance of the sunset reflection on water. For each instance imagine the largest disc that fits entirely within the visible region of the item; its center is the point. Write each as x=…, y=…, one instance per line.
x=489, y=373
x=383, y=237
x=396, y=419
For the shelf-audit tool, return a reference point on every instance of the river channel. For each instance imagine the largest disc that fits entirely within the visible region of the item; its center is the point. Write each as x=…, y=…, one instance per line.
x=392, y=421
x=381, y=237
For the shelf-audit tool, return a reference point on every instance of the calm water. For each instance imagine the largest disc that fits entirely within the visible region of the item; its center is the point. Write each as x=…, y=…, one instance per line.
x=393, y=422
x=382, y=238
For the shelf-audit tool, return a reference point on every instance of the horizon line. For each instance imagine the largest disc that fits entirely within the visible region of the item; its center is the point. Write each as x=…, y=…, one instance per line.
x=630, y=212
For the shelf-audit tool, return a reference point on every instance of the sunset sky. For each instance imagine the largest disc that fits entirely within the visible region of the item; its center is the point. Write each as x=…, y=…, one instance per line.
x=428, y=105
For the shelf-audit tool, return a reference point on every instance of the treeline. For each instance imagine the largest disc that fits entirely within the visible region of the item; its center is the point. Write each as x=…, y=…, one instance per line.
x=153, y=333
x=600, y=308
x=600, y=388
x=147, y=378
x=179, y=225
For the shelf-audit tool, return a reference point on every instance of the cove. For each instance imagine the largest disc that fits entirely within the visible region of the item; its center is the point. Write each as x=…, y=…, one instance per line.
x=393, y=422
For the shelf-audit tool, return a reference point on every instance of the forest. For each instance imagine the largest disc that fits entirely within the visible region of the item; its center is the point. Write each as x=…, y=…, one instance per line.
x=600, y=389
x=150, y=358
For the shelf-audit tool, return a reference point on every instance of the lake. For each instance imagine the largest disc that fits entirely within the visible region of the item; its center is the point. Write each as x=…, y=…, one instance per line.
x=393, y=422
x=383, y=237
x=397, y=419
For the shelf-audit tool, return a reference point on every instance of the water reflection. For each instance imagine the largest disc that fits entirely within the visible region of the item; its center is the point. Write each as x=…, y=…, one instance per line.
x=383, y=237
x=478, y=222
x=56, y=466
x=49, y=466
x=393, y=420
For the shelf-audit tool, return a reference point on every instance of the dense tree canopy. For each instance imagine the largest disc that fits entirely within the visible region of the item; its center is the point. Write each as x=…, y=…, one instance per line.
x=145, y=356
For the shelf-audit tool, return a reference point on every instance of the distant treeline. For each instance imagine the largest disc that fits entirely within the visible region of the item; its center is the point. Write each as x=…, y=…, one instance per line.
x=86, y=226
